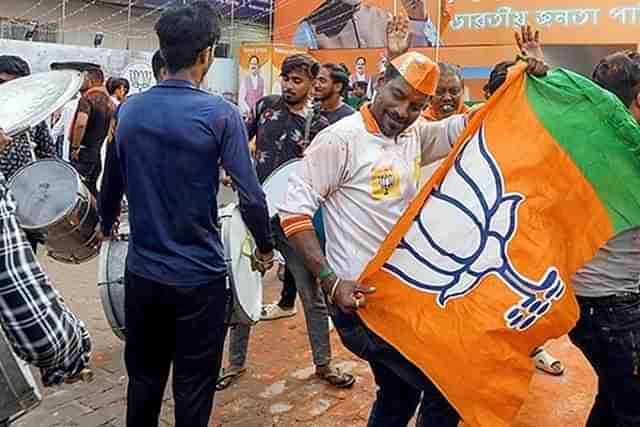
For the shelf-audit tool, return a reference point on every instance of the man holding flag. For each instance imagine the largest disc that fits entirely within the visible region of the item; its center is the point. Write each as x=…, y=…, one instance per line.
x=364, y=171
x=388, y=161
x=487, y=248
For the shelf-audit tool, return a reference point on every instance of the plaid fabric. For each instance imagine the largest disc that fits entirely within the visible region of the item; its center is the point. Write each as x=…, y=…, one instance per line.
x=37, y=323
x=19, y=153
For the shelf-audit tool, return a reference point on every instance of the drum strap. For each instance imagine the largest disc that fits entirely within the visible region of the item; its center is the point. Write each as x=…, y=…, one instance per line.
x=32, y=145
x=311, y=114
x=307, y=127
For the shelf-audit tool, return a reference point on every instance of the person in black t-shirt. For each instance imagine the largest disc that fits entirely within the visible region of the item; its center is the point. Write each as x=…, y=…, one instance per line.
x=90, y=128
x=280, y=122
x=283, y=128
x=330, y=89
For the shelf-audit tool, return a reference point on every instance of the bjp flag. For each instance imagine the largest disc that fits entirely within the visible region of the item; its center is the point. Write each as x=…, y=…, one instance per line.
x=477, y=272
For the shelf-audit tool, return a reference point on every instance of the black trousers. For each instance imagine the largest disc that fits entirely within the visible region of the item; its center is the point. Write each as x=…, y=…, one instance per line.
x=89, y=171
x=183, y=326
x=608, y=333
x=289, y=290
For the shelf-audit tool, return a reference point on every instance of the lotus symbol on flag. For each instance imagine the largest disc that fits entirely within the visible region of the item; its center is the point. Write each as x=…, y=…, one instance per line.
x=461, y=235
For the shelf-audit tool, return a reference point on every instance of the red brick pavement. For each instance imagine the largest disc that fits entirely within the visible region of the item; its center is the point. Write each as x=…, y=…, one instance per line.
x=279, y=388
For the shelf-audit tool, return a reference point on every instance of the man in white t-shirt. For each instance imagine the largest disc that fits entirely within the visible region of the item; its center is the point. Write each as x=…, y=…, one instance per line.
x=364, y=172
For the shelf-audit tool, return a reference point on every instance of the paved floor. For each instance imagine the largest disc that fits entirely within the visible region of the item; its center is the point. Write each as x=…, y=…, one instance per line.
x=279, y=388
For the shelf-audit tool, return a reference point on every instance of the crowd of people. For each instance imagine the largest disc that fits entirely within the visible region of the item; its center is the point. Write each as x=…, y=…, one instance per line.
x=158, y=149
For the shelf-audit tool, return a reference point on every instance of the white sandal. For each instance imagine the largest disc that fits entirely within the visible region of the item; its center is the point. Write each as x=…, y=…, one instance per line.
x=547, y=363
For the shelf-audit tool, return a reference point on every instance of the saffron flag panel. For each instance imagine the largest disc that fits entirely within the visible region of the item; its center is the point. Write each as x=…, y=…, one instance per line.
x=477, y=272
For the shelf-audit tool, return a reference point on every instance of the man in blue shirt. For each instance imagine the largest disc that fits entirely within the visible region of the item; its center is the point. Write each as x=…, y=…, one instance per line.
x=169, y=144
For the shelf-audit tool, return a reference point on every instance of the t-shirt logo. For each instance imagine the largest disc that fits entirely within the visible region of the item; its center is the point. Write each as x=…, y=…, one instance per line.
x=385, y=182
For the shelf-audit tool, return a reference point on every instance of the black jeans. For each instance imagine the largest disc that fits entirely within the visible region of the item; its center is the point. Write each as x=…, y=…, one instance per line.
x=167, y=324
x=289, y=290
x=608, y=333
x=33, y=241
x=89, y=171
x=400, y=383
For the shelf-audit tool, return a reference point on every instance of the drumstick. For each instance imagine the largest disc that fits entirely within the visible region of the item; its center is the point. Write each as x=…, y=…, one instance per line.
x=86, y=375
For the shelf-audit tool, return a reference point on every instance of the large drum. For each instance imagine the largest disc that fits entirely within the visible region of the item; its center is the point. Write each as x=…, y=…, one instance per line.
x=18, y=390
x=275, y=186
x=245, y=284
x=54, y=204
x=111, y=267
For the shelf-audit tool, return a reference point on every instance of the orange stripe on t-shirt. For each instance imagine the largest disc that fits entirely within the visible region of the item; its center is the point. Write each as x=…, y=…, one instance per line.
x=296, y=224
x=298, y=228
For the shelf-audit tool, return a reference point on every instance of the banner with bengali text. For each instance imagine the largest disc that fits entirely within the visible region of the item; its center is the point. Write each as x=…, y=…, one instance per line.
x=318, y=24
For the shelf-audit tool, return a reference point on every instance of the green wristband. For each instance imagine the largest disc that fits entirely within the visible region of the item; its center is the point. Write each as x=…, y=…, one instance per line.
x=326, y=273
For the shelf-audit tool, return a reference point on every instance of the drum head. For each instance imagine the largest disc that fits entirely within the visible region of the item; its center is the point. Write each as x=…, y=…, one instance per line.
x=275, y=186
x=45, y=192
x=111, y=266
x=27, y=101
x=245, y=283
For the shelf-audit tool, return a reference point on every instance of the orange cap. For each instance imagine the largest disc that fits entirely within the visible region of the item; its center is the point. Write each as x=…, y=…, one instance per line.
x=419, y=71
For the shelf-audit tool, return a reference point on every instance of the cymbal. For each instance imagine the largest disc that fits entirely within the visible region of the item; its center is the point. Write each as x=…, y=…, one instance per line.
x=26, y=101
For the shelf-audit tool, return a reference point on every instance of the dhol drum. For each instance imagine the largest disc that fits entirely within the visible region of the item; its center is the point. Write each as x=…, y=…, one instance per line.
x=275, y=186
x=18, y=390
x=111, y=266
x=245, y=284
x=54, y=204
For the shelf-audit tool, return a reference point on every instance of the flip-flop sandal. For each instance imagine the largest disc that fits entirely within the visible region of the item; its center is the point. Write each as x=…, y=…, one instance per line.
x=228, y=377
x=547, y=363
x=337, y=378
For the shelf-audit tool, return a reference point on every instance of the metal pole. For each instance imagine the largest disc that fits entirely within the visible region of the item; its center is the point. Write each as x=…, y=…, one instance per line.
x=233, y=25
x=129, y=6
x=271, y=20
x=64, y=17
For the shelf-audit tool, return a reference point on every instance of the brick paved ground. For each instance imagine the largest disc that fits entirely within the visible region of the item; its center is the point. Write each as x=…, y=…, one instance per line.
x=279, y=388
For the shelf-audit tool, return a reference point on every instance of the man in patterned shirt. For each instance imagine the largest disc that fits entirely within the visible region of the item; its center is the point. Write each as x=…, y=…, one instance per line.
x=283, y=127
x=34, y=144
x=37, y=323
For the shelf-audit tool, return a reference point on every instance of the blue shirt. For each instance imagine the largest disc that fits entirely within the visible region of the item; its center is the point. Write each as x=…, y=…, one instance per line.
x=169, y=144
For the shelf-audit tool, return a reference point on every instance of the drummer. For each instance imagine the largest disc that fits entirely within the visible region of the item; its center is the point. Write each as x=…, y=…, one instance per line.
x=165, y=142
x=280, y=126
x=39, y=326
x=31, y=145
